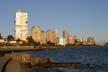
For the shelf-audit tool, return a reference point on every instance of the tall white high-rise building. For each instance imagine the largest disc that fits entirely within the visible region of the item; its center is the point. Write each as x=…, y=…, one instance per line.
x=21, y=25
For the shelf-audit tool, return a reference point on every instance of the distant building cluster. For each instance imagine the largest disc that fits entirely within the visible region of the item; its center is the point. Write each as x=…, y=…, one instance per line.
x=43, y=37
x=74, y=40
x=51, y=36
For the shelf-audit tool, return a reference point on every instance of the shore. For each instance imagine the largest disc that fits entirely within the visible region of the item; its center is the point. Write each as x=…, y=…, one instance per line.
x=24, y=63
x=24, y=48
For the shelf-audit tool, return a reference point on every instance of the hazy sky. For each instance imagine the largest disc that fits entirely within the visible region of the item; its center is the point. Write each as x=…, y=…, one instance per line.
x=79, y=17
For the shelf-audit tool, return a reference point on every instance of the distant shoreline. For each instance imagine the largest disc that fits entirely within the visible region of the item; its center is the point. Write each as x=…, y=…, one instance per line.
x=17, y=48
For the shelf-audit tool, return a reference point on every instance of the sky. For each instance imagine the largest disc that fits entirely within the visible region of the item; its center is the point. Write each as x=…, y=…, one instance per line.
x=82, y=18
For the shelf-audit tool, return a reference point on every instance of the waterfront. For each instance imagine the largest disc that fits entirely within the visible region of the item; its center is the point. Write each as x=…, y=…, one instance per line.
x=93, y=59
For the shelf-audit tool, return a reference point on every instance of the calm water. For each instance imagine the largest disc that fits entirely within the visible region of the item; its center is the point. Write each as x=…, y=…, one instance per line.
x=96, y=57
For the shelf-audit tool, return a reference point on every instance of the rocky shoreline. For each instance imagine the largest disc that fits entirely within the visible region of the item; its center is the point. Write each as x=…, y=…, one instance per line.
x=24, y=63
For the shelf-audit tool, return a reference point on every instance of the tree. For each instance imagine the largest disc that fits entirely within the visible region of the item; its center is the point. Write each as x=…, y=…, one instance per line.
x=106, y=44
x=30, y=40
x=1, y=36
x=50, y=43
x=10, y=37
x=18, y=41
x=24, y=43
x=37, y=43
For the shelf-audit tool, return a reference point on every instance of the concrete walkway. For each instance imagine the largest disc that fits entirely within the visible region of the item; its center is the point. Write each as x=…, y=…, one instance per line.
x=13, y=66
x=3, y=62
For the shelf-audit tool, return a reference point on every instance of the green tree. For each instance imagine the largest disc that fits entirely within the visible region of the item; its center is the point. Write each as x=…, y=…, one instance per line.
x=18, y=40
x=24, y=43
x=49, y=43
x=1, y=36
x=30, y=41
x=37, y=43
x=10, y=37
x=106, y=44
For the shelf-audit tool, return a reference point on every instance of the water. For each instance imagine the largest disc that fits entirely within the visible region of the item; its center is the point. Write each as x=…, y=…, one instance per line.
x=93, y=59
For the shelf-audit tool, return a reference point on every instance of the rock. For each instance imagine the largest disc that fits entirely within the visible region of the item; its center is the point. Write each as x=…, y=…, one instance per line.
x=21, y=57
x=41, y=61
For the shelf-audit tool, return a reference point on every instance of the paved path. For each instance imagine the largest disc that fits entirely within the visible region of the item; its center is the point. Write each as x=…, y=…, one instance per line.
x=7, y=64
x=13, y=66
x=16, y=66
x=3, y=62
